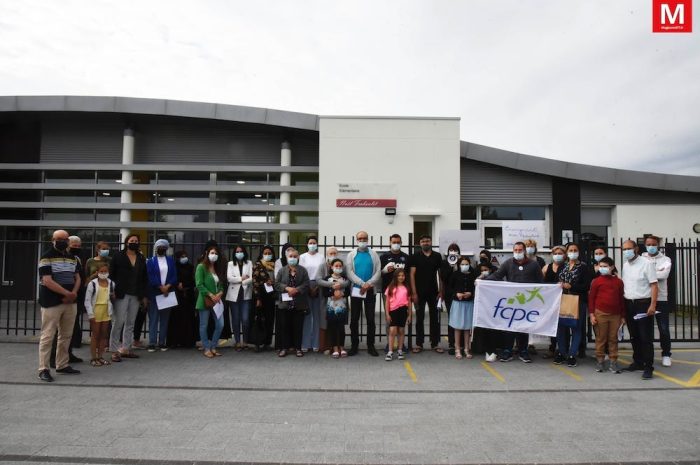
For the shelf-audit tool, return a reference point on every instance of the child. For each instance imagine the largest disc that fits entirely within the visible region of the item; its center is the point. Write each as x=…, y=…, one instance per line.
x=461, y=286
x=336, y=307
x=398, y=302
x=98, y=303
x=606, y=306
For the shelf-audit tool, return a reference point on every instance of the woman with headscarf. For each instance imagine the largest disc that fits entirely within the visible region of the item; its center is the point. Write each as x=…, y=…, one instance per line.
x=182, y=327
x=162, y=279
x=263, y=292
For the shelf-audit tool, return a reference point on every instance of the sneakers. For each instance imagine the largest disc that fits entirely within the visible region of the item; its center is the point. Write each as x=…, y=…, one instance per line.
x=525, y=357
x=615, y=367
x=666, y=361
x=506, y=356
x=163, y=348
x=490, y=357
x=45, y=375
x=401, y=355
x=151, y=348
x=389, y=356
x=571, y=362
x=558, y=359
x=648, y=373
x=599, y=367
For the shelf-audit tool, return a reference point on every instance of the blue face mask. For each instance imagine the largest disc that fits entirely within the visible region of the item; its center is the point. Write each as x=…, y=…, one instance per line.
x=599, y=257
x=292, y=261
x=518, y=255
x=239, y=256
x=104, y=252
x=604, y=270
x=652, y=249
x=628, y=254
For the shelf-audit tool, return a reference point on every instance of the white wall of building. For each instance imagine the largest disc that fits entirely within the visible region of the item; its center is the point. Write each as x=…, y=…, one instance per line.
x=665, y=221
x=416, y=158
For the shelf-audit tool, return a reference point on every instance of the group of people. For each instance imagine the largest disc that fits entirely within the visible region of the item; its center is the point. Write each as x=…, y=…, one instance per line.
x=305, y=300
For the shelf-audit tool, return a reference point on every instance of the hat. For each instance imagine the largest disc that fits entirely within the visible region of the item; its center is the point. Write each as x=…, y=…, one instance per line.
x=162, y=243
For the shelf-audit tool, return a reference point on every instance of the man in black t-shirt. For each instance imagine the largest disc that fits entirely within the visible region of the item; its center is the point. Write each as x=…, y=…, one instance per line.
x=59, y=272
x=425, y=284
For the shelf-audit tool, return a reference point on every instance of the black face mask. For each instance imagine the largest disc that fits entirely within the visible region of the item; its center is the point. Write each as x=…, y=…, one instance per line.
x=133, y=246
x=61, y=244
x=161, y=252
x=75, y=251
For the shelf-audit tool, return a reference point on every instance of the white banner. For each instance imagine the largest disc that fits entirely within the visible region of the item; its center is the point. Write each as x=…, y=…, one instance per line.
x=522, y=307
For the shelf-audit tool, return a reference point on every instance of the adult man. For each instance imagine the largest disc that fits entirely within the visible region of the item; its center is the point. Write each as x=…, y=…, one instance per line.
x=518, y=269
x=391, y=261
x=59, y=274
x=425, y=285
x=363, y=267
x=641, y=292
x=663, y=265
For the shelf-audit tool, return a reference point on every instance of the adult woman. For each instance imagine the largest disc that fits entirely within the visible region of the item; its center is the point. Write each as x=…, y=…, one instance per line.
x=314, y=264
x=128, y=271
x=239, y=295
x=211, y=289
x=292, y=283
x=162, y=279
x=551, y=276
x=279, y=264
x=573, y=277
x=181, y=330
x=101, y=256
x=263, y=292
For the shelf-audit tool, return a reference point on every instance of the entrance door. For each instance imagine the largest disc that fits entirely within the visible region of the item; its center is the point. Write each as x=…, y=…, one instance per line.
x=420, y=228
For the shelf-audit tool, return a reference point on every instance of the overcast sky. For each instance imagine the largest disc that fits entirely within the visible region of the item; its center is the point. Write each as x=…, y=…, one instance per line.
x=575, y=80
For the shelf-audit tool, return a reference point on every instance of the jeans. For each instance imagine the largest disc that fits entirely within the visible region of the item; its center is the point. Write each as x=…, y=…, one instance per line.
x=125, y=310
x=240, y=319
x=568, y=338
x=157, y=323
x=641, y=333
x=310, y=339
x=433, y=313
x=209, y=344
x=356, y=306
x=662, y=322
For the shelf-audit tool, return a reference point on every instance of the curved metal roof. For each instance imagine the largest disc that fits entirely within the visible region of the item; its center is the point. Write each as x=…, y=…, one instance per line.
x=306, y=121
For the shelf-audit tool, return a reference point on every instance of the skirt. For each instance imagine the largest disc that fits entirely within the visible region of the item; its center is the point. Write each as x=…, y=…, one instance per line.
x=461, y=313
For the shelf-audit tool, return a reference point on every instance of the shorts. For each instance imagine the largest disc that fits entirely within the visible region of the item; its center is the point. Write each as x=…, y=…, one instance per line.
x=399, y=317
x=101, y=313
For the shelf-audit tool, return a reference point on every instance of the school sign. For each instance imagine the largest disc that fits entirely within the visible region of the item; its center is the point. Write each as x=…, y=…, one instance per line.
x=521, y=307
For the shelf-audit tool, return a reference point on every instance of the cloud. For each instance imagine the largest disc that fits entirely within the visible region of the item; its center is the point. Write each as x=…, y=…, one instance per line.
x=581, y=80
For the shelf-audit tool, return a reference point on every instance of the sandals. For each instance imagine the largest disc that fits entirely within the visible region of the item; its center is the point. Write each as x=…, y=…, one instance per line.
x=458, y=354
x=417, y=350
x=103, y=361
x=300, y=353
x=95, y=362
x=116, y=357
x=335, y=355
x=439, y=350
x=208, y=354
x=343, y=354
x=217, y=353
x=282, y=353
x=469, y=355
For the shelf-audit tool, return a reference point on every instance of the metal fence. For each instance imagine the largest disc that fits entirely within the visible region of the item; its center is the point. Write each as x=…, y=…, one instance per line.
x=20, y=314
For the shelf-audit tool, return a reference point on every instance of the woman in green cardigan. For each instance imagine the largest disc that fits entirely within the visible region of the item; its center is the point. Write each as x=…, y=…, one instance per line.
x=209, y=284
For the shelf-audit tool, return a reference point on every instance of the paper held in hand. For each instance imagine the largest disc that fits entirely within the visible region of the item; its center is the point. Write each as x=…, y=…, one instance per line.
x=169, y=301
x=286, y=297
x=356, y=292
x=218, y=309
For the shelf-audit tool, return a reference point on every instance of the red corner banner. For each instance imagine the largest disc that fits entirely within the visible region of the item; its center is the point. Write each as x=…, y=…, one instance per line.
x=364, y=203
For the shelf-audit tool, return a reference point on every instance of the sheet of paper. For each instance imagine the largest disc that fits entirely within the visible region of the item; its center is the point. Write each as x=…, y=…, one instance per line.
x=163, y=302
x=286, y=297
x=356, y=293
x=219, y=309
x=269, y=288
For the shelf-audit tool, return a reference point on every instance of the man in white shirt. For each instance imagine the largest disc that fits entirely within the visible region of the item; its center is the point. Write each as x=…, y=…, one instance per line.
x=663, y=265
x=641, y=292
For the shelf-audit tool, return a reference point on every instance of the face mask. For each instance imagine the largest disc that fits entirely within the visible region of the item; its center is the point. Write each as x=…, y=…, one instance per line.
x=395, y=247
x=652, y=249
x=530, y=250
x=312, y=247
x=598, y=257
x=604, y=270
x=558, y=258
x=572, y=255
x=293, y=261
x=184, y=260
x=161, y=251
x=61, y=244
x=213, y=257
x=103, y=275
x=484, y=274
x=628, y=254
x=362, y=245
x=453, y=252
x=337, y=270
x=426, y=247
x=518, y=255
x=331, y=258
x=267, y=258
x=464, y=268
x=75, y=250
x=239, y=256
x=104, y=252
x=133, y=246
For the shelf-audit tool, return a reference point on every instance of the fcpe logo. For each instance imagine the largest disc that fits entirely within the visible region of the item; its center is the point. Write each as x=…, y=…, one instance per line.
x=672, y=16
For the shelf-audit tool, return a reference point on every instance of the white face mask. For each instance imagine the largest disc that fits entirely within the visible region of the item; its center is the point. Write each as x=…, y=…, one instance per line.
x=395, y=247
x=213, y=257
x=558, y=258
x=484, y=274
x=518, y=255
x=292, y=261
x=331, y=258
x=267, y=258
x=337, y=270
x=312, y=247
x=530, y=250
x=604, y=270
x=464, y=268
x=572, y=255
x=239, y=256
x=362, y=245
x=103, y=275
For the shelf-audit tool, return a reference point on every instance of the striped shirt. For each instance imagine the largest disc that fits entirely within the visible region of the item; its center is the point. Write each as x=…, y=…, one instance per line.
x=62, y=267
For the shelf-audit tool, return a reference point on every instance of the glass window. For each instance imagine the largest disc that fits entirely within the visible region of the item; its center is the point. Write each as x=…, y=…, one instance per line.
x=305, y=179
x=468, y=226
x=512, y=213
x=85, y=215
x=109, y=177
x=247, y=198
x=68, y=176
x=182, y=216
x=308, y=199
x=23, y=176
x=109, y=197
x=493, y=237
x=20, y=195
x=468, y=212
x=107, y=215
x=182, y=178
x=181, y=197
x=244, y=179
x=69, y=196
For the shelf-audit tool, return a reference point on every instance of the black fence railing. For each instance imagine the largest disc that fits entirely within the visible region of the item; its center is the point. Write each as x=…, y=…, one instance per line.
x=20, y=314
